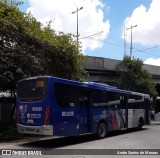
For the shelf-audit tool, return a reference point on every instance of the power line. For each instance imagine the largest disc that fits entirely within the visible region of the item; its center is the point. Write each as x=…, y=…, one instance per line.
x=67, y=29
x=150, y=53
x=121, y=45
x=108, y=42
x=149, y=49
x=125, y=45
x=99, y=33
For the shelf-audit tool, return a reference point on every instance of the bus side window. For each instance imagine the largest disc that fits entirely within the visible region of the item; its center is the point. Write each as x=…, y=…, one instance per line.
x=100, y=99
x=81, y=102
x=84, y=98
x=113, y=99
x=136, y=102
x=123, y=101
x=66, y=95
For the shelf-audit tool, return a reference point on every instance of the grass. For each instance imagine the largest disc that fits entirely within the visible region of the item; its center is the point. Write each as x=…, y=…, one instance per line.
x=9, y=132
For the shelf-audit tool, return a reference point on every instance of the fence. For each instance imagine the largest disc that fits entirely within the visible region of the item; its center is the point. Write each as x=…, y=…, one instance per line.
x=6, y=111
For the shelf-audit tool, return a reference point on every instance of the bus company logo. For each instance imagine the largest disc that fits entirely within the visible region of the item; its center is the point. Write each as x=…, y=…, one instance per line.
x=28, y=115
x=23, y=108
x=6, y=152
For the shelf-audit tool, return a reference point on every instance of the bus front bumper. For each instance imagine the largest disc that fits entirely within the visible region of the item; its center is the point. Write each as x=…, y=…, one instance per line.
x=40, y=130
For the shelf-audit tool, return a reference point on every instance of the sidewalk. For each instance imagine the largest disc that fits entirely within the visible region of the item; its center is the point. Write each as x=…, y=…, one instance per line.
x=27, y=139
x=153, y=122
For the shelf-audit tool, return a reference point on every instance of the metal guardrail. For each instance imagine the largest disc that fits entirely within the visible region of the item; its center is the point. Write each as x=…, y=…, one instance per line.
x=6, y=111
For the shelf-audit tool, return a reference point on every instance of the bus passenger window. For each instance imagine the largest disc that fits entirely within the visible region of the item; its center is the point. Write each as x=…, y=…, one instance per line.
x=84, y=98
x=66, y=95
x=113, y=99
x=100, y=99
x=81, y=102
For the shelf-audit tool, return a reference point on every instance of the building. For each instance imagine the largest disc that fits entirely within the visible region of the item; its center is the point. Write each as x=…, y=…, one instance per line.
x=103, y=70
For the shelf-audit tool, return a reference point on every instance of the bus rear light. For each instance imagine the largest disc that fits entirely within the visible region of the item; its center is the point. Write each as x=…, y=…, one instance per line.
x=47, y=115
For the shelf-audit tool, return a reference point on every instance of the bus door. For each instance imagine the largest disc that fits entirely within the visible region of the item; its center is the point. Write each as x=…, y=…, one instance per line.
x=124, y=109
x=66, y=116
x=85, y=115
x=147, y=110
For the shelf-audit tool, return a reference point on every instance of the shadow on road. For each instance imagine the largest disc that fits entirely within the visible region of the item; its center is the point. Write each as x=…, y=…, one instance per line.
x=66, y=141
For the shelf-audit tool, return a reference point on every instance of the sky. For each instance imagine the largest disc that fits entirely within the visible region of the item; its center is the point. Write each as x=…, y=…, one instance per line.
x=105, y=26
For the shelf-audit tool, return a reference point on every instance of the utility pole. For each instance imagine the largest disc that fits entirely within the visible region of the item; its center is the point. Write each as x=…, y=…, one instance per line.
x=131, y=47
x=124, y=40
x=78, y=9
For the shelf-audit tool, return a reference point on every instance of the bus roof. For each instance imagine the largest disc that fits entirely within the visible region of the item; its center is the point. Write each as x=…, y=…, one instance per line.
x=93, y=85
x=141, y=94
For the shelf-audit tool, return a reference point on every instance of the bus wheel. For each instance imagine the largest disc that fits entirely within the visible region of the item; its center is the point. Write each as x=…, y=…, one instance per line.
x=102, y=130
x=140, y=124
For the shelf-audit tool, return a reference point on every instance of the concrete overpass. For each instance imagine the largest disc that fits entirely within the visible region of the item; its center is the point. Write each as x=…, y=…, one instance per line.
x=103, y=70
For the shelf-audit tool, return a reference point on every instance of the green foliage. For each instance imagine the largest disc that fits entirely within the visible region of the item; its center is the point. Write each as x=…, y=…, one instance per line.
x=27, y=48
x=133, y=77
x=18, y=55
x=14, y=3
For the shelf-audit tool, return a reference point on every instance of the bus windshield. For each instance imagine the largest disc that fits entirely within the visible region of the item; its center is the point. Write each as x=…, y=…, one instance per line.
x=32, y=90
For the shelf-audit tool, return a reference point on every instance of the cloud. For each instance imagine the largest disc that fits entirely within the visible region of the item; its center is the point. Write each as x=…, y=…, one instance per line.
x=152, y=61
x=147, y=31
x=90, y=18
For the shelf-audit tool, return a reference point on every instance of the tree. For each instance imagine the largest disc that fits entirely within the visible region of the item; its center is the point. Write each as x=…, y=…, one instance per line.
x=64, y=60
x=27, y=48
x=133, y=77
x=18, y=55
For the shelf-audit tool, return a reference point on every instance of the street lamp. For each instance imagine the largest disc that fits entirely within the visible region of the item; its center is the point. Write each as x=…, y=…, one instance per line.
x=131, y=39
x=78, y=9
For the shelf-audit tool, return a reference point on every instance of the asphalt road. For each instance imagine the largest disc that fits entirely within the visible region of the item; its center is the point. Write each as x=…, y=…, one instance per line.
x=75, y=147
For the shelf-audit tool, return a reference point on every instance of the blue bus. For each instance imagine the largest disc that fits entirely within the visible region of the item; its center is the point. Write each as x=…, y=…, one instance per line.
x=54, y=106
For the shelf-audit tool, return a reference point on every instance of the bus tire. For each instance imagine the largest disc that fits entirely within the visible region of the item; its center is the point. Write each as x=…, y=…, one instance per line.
x=140, y=124
x=102, y=130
